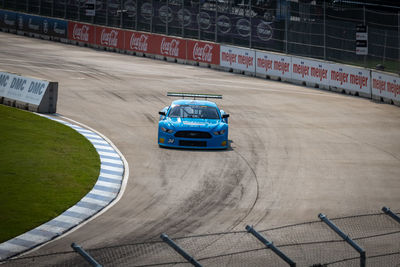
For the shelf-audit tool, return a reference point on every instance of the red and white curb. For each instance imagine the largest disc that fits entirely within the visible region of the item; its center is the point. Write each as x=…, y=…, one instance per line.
x=114, y=172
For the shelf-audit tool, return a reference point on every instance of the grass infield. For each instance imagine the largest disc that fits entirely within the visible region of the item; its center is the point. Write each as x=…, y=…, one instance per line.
x=45, y=168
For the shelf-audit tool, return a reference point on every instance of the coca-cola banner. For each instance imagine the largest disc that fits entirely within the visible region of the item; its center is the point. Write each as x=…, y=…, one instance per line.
x=238, y=58
x=81, y=32
x=203, y=52
x=310, y=71
x=139, y=42
x=386, y=86
x=110, y=37
x=170, y=47
x=8, y=19
x=351, y=78
x=273, y=64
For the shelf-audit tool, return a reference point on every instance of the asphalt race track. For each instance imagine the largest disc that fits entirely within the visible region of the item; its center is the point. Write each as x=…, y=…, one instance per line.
x=294, y=151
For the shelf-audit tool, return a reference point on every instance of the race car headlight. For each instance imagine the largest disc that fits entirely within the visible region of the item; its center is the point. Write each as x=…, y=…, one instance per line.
x=219, y=132
x=166, y=130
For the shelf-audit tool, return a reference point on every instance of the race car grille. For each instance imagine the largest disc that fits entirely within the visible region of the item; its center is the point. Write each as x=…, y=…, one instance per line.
x=193, y=143
x=192, y=134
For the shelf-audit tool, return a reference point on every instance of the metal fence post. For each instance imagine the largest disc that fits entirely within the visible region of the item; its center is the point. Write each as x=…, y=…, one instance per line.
x=270, y=245
x=85, y=255
x=172, y=244
x=287, y=26
x=391, y=214
x=216, y=21
x=324, y=30
x=346, y=238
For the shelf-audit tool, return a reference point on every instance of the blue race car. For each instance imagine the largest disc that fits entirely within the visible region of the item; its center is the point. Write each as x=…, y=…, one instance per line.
x=193, y=123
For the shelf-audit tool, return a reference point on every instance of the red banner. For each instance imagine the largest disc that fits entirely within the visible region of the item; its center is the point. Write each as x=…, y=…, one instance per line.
x=203, y=52
x=110, y=37
x=169, y=47
x=139, y=42
x=81, y=32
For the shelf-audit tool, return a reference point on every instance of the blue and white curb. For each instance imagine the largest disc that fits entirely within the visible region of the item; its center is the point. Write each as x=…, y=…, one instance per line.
x=112, y=179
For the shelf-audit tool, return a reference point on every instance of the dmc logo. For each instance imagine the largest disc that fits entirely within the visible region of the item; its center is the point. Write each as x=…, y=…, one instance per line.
x=264, y=31
x=165, y=13
x=32, y=26
x=170, y=48
x=139, y=43
x=109, y=38
x=203, y=53
x=81, y=33
x=185, y=17
x=224, y=24
x=204, y=20
x=147, y=11
x=8, y=21
x=58, y=30
x=243, y=27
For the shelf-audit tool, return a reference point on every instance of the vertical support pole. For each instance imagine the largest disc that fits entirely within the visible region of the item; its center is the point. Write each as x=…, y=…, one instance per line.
x=172, y=244
x=27, y=5
x=216, y=21
x=183, y=18
x=286, y=26
x=398, y=40
x=40, y=7
x=65, y=10
x=166, y=21
x=270, y=245
x=107, y=12
x=346, y=238
x=85, y=255
x=121, y=15
x=391, y=214
x=79, y=11
x=137, y=14
x=53, y=6
x=364, y=22
x=251, y=28
x=151, y=19
x=198, y=21
x=324, y=30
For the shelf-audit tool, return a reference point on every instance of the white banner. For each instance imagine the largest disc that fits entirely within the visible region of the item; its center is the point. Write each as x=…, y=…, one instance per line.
x=310, y=70
x=272, y=64
x=23, y=89
x=237, y=58
x=386, y=86
x=351, y=78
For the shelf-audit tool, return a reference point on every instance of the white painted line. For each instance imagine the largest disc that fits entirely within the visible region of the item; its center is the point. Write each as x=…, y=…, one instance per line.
x=12, y=247
x=97, y=141
x=106, y=184
x=51, y=228
x=109, y=154
x=34, y=238
x=114, y=161
x=82, y=210
x=110, y=168
x=103, y=193
x=91, y=135
x=94, y=201
x=68, y=219
x=111, y=176
x=83, y=131
x=103, y=147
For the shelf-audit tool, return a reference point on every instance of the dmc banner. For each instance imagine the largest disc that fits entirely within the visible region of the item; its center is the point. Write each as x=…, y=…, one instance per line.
x=203, y=52
x=23, y=89
x=81, y=32
x=169, y=47
x=351, y=78
x=310, y=71
x=29, y=23
x=386, y=86
x=110, y=37
x=8, y=19
x=273, y=64
x=238, y=58
x=55, y=27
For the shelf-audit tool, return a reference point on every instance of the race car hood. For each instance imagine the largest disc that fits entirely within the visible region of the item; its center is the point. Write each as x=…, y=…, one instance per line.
x=187, y=124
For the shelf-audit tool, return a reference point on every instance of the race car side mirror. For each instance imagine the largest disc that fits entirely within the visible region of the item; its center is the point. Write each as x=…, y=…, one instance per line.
x=224, y=116
x=162, y=113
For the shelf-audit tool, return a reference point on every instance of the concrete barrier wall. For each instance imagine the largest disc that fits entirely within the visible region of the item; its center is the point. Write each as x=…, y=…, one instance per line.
x=305, y=71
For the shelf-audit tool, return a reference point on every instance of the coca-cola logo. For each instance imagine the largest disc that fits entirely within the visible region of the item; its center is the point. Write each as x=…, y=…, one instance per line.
x=204, y=20
x=264, y=31
x=170, y=48
x=224, y=24
x=165, y=13
x=81, y=33
x=139, y=43
x=203, y=53
x=109, y=38
x=185, y=17
x=147, y=11
x=243, y=27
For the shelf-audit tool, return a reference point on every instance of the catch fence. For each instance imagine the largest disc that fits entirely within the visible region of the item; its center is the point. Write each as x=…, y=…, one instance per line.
x=306, y=244
x=323, y=29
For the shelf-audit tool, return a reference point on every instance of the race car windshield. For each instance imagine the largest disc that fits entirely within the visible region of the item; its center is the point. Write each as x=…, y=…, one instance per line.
x=192, y=111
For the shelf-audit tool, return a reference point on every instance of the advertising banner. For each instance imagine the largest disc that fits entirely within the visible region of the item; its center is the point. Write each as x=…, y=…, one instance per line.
x=169, y=46
x=81, y=32
x=29, y=23
x=23, y=89
x=139, y=42
x=351, y=78
x=310, y=71
x=386, y=86
x=203, y=52
x=110, y=37
x=238, y=58
x=273, y=64
x=8, y=19
x=55, y=27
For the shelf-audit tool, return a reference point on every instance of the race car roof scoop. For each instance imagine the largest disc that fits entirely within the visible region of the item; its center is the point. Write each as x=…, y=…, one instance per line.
x=183, y=95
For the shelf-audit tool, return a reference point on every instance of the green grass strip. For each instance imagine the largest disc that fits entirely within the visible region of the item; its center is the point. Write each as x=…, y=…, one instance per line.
x=45, y=168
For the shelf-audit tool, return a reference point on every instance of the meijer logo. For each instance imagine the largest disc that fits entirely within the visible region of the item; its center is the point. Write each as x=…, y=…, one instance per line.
x=81, y=33
x=170, y=48
x=139, y=43
x=109, y=38
x=203, y=53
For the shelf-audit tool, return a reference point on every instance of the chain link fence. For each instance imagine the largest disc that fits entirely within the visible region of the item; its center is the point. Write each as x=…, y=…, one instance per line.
x=307, y=244
x=311, y=28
